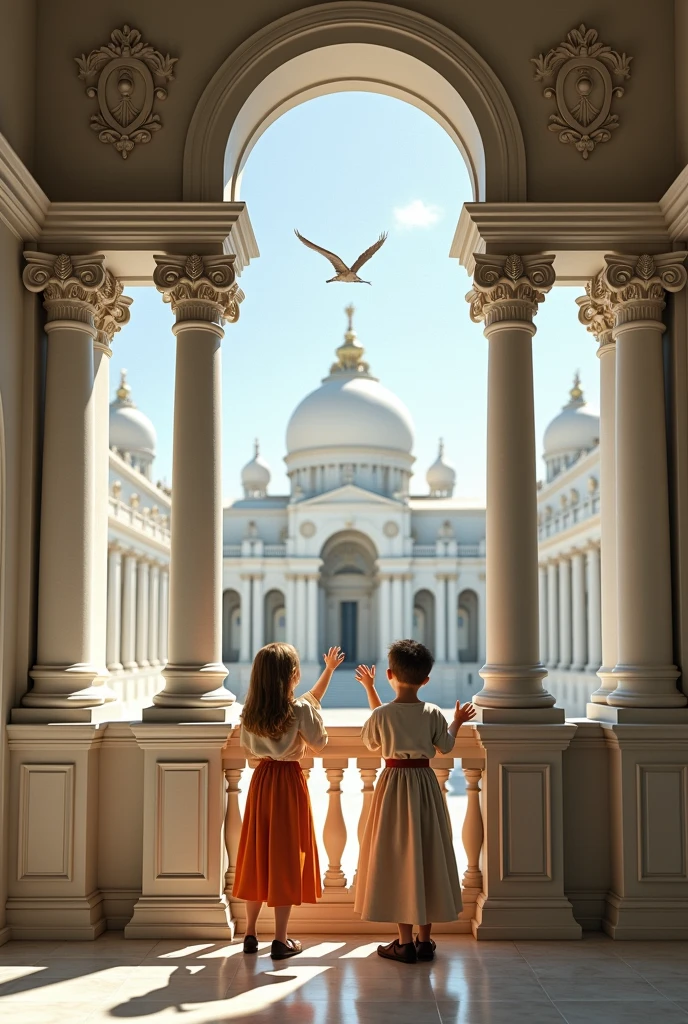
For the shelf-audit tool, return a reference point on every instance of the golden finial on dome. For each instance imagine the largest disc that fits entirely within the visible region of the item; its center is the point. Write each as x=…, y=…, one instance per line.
x=123, y=391
x=350, y=310
x=350, y=354
x=441, y=449
x=256, y=448
x=576, y=391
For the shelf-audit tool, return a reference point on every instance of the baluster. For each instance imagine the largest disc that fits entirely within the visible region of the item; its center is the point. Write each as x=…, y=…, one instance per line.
x=232, y=819
x=334, y=833
x=306, y=765
x=442, y=767
x=472, y=834
x=368, y=768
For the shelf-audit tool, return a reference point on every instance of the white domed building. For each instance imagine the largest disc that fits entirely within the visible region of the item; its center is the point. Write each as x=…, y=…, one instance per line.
x=350, y=556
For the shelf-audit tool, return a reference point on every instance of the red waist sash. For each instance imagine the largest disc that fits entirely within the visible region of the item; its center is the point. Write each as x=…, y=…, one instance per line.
x=407, y=762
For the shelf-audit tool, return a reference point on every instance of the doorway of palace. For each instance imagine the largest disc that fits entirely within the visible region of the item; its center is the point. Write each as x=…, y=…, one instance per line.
x=348, y=584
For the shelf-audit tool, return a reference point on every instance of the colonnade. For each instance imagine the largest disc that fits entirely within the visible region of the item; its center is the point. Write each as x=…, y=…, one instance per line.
x=137, y=610
x=570, y=613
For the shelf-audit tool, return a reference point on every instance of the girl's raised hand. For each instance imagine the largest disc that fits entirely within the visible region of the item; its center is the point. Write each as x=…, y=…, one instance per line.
x=463, y=713
x=334, y=657
x=365, y=675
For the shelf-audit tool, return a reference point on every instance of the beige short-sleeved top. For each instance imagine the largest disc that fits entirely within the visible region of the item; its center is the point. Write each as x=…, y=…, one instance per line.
x=307, y=730
x=410, y=731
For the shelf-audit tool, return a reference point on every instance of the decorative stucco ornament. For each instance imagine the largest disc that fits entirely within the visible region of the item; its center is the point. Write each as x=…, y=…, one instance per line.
x=583, y=76
x=126, y=77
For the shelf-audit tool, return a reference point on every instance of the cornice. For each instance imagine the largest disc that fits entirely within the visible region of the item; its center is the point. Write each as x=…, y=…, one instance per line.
x=674, y=207
x=23, y=203
x=130, y=233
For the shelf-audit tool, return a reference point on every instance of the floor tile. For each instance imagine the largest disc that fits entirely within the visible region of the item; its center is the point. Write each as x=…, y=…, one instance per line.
x=61, y=1013
x=591, y=989
x=507, y=1012
x=606, y=1012
x=574, y=971
x=671, y=985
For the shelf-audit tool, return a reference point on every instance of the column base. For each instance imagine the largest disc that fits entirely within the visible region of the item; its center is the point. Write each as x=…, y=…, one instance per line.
x=68, y=686
x=524, y=918
x=63, y=918
x=609, y=683
x=195, y=690
x=181, y=917
x=591, y=668
x=636, y=716
x=651, y=919
x=564, y=666
x=513, y=686
x=519, y=716
x=646, y=686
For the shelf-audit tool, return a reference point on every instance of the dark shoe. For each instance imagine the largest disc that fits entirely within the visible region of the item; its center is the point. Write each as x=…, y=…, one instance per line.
x=283, y=950
x=425, y=950
x=406, y=953
x=250, y=944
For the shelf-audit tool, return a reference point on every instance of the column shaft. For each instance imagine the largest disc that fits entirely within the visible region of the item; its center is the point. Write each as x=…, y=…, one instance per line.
x=301, y=613
x=101, y=409
x=542, y=612
x=564, y=613
x=440, y=618
x=594, y=609
x=578, y=612
x=129, y=612
x=312, y=619
x=290, y=609
x=154, y=615
x=114, y=609
x=553, y=614
x=384, y=613
x=258, y=616
x=142, y=613
x=408, y=607
x=397, y=608
x=452, y=619
x=609, y=610
x=162, y=616
x=245, y=651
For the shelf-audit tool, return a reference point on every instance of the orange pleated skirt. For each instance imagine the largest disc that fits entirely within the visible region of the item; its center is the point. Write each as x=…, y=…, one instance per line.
x=277, y=862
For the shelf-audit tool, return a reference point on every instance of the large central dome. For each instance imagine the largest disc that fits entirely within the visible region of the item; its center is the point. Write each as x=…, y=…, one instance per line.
x=364, y=426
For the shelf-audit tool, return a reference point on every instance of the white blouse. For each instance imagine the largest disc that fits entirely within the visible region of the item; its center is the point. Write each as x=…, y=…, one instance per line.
x=306, y=730
x=408, y=731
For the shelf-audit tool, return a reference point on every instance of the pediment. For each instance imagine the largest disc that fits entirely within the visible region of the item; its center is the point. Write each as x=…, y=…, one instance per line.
x=350, y=494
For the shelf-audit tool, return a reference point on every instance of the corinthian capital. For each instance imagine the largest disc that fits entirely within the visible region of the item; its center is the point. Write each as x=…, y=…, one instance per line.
x=509, y=287
x=199, y=287
x=112, y=309
x=70, y=284
x=638, y=284
x=595, y=309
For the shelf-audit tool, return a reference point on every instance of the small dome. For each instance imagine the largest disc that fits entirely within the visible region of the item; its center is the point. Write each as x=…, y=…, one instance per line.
x=441, y=476
x=255, y=476
x=131, y=432
x=575, y=431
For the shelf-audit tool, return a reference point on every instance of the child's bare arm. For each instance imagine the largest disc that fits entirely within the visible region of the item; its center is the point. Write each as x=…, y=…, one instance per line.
x=333, y=659
x=461, y=714
x=365, y=675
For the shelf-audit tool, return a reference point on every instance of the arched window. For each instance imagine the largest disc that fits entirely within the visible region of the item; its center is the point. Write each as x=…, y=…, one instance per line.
x=467, y=626
x=424, y=618
x=275, y=617
x=231, y=625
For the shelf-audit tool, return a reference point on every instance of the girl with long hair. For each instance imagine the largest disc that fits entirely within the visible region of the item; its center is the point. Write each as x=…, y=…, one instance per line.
x=277, y=861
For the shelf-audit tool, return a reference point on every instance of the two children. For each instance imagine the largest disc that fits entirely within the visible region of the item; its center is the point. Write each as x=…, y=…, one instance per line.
x=407, y=869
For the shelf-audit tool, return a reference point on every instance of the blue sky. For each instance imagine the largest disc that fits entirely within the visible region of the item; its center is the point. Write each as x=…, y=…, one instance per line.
x=341, y=169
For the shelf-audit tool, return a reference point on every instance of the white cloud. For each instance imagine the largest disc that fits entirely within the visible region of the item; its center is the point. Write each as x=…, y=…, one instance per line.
x=417, y=214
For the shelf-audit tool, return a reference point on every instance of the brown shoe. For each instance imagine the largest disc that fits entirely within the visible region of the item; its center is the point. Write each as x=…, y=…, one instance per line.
x=283, y=950
x=425, y=950
x=405, y=953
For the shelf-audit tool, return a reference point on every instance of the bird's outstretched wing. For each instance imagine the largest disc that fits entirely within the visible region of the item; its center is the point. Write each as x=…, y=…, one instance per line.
x=338, y=265
x=365, y=256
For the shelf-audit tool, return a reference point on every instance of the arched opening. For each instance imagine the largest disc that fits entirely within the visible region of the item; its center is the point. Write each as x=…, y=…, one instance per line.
x=231, y=626
x=424, y=618
x=348, y=583
x=467, y=626
x=275, y=617
x=363, y=46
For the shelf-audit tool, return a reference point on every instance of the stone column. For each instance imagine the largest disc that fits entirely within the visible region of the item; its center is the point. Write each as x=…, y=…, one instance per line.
x=597, y=314
x=384, y=613
x=245, y=644
x=542, y=612
x=578, y=612
x=452, y=617
x=129, y=612
x=154, y=614
x=397, y=608
x=290, y=609
x=203, y=295
x=68, y=676
x=301, y=612
x=162, y=616
x=114, y=609
x=408, y=606
x=312, y=618
x=553, y=614
x=142, y=612
x=440, y=618
x=505, y=296
x=644, y=670
x=594, y=609
x=564, y=613
x=257, y=615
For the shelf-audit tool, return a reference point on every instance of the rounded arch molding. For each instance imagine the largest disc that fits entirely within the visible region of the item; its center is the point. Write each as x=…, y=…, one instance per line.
x=476, y=87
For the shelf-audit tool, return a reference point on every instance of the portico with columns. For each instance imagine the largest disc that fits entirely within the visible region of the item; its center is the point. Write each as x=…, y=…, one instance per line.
x=162, y=791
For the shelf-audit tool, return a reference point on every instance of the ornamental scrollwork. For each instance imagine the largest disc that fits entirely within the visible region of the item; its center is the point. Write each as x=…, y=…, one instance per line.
x=509, y=287
x=583, y=76
x=199, y=287
x=126, y=76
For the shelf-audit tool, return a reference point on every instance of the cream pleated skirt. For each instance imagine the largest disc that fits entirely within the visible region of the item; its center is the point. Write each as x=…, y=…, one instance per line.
x=407, y=869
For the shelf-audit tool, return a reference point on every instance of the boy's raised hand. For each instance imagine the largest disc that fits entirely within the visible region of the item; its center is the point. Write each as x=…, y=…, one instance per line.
x=365, y=675
x=463, y=713
x=334, y=657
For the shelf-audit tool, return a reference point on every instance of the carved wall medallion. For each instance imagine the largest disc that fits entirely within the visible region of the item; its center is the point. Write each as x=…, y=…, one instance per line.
x=583, y=76
x=126, y=76
x=307, y=529
x=390, y=529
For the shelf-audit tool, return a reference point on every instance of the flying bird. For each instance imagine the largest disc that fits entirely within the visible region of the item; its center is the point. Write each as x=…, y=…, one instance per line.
x=347, y=274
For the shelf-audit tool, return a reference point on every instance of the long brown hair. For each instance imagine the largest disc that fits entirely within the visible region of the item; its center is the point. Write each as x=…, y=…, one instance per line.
x=268, y=710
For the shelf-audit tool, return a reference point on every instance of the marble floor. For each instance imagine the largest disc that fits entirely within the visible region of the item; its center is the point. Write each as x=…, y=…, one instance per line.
x=342, y=981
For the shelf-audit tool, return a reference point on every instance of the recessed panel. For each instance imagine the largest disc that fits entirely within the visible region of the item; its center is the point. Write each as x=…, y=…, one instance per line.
x=662, y=820
x=182, y=820
x=525, y=819
x=46, y=821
